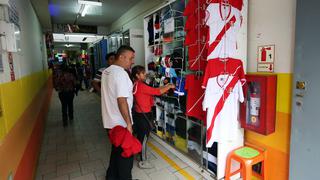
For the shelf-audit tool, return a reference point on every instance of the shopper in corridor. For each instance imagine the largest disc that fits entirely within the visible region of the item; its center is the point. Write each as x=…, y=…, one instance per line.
x=65, y=84
x=143, y=96
x=116, y=104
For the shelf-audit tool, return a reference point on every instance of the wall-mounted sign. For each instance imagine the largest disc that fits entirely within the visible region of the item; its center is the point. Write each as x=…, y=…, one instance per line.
x=265, y=67
x=266, y=58
x=10, y=60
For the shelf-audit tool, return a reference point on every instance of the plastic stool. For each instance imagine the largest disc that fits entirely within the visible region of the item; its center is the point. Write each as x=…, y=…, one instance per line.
x=247, y=157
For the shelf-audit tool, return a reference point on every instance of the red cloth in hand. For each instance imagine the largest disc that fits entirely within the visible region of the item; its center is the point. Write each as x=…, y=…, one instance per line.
x=120, y=136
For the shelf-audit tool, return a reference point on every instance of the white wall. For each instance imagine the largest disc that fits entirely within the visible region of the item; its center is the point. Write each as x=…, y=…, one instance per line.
x=272, y=22
x=31, y=59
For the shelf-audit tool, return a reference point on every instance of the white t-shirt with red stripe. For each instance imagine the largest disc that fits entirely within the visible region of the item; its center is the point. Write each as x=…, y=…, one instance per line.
x=222, y=96
x=224, y=23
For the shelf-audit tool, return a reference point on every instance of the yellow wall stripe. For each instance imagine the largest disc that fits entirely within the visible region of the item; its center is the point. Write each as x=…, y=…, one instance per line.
x=14, y=143
x=185, y=174
x=284, y=92
x=16, y=97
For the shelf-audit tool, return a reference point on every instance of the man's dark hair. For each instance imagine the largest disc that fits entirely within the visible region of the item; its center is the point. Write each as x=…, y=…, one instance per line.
x=109, y=55
x=137, y=70
x=123, y=49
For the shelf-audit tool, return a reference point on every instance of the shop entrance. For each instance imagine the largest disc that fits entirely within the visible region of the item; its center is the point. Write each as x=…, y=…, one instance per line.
x=305, y=147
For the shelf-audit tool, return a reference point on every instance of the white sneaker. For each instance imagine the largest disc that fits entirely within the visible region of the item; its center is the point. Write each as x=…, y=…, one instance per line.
x=145, y=165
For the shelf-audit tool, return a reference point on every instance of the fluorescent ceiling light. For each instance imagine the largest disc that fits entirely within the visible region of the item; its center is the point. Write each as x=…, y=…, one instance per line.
x=80, y=35
x=92, y=3
x=84, y=10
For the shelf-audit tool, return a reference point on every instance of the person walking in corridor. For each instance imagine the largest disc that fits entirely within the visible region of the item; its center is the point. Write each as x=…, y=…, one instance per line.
x=65, y=85
x=116, y=104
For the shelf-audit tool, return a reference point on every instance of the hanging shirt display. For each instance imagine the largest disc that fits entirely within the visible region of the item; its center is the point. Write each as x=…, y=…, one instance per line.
x=150, y=31
x=224, y=22
x=223, y=91
x=195, y=97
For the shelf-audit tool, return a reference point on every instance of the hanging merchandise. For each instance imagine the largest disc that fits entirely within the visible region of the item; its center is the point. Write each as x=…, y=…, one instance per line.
x=180, y=86
x=169, y=25
x=224, y=23
x=223, y=82
x=150, y=31
x=195, y=97
x=197, y=59
x=156, y=28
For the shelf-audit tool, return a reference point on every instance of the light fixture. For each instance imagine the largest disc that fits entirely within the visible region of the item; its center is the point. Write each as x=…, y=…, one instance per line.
x=84, y=10
x=80, y=35
x=92, y=3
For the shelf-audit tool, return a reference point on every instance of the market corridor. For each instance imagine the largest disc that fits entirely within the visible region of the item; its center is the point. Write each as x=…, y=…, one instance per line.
x=81, y=151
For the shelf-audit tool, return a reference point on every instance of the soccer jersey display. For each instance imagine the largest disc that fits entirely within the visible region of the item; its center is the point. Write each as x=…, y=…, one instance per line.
x=224, y=22
x=223, y=82
x=197, y=57
x=195, y=97
x=196, y=36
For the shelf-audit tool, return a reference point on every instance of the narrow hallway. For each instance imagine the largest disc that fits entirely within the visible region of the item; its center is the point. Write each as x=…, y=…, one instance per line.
x=81, y=148
x=81, y=151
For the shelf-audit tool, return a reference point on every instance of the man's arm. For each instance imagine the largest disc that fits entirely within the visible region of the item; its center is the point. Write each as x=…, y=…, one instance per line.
x=124, y=110
x=96, y=85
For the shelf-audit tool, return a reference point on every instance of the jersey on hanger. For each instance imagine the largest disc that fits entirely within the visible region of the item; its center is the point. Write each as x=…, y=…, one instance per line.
x=222, y=95
x=224, y=23
x=195, y=97
x=193, y=6
x=197, y=55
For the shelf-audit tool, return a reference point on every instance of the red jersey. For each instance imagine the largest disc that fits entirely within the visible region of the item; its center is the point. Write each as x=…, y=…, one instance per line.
x=195, y=97
x=197, y=59
x=143, y=96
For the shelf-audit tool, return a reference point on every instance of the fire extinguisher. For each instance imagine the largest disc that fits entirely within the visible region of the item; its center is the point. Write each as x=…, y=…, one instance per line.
x=264, y=54
x=255, y=103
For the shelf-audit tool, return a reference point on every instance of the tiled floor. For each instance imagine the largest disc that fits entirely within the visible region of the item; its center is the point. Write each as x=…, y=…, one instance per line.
x=81, y=151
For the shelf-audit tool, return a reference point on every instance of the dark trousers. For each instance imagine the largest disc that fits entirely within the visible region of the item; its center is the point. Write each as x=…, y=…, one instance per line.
x=142, y=129
x=119, y=167
x=66, y=99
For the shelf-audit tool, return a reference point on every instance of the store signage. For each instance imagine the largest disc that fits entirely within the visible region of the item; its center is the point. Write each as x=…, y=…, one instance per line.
x=10, y=60
x=266, y=58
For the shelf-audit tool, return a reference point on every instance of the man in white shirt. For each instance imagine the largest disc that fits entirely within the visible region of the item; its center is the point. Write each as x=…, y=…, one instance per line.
x=116, y=104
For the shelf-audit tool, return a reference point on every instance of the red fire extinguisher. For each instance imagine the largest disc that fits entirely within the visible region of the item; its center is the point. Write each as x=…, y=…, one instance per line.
x=254, y=106
x=264, y=54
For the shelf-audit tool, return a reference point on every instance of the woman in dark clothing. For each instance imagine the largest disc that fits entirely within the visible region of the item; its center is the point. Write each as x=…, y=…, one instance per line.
x=66, y=85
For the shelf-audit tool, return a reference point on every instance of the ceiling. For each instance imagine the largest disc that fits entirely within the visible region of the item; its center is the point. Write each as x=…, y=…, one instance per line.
x=65, y=11
x=41, y=8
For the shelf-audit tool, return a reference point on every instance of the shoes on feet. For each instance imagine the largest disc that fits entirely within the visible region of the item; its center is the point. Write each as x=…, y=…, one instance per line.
x=145, y=165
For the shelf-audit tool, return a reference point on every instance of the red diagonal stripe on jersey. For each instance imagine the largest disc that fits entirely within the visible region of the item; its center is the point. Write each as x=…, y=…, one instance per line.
x=220, y=105
x=226, y=27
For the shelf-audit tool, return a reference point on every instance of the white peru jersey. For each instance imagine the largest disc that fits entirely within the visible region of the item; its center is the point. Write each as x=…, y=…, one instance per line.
x=224, y=23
